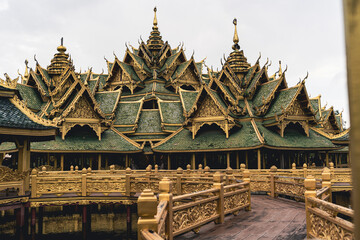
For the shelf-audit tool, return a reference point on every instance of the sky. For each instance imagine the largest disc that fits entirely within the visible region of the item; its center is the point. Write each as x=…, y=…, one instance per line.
x=306, y=35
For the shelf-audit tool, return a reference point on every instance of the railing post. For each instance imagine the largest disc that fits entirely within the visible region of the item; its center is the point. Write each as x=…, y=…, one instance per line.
x=293, y=167
x=148, y=173
x=326, y=181
x=112, y=169
x=305, y=170
x=200, y=169
x=220, y=205
x=147, y=209
x=229, y=175
x=246, y=179
x=83, y=182
x=165, y=187
x=273, y=171
x=33, y=183
x=128, y=182
x=188, y=169
x=156, y=169
x=242, y=167
x=207, y=171
x=310, y=186
x=332, y=170
x=179, y=173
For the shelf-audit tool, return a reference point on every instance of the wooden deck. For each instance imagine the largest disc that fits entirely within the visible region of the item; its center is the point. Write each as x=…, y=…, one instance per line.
x=269, y=219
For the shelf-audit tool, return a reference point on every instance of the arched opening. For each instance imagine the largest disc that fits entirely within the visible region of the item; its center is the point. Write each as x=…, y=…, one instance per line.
x=294, y=129
x=150, y=104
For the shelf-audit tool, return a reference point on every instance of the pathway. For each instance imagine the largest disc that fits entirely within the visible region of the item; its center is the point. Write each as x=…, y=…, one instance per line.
x=269, y=219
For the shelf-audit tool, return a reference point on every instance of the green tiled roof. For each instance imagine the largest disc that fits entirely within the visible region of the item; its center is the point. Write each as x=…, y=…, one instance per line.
x=169, y=61
x=199, y=66
x=315, y=105
x=283, y=99
x=168, y=97
x=41, y=83
x=345, y=137
x=83, y=77
x=12, y=117
x=91, y=85
x=218, y=98
x=110, y=65
x=126, y=113
x=249, y=74
x=46, y=74
x=171, y=112
x=264, y=91
x=211, y=140
x=134, y=98
x=86, y=141
x=294, y=139
x=227, y=90
x=254, y=79
x=156, y=136
x=148, y=88
x=149, y=122
x=107, y=100
x=325, y=114
x=171, y=128
x=179, y=69
x=30, y=95
x=128, y=68
x=7, y=146
x=188, y=98
x=141, y=62
x=160, y=88
x=124, y=129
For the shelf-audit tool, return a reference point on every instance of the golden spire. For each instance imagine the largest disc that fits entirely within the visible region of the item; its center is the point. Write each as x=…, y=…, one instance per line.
x=155, y=19
x=236, y=37
x=60, y=60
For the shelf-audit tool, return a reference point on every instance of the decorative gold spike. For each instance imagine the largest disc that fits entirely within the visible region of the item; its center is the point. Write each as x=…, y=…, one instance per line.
x=155, y=19
x=280, y=70
x=236, y=37
x=26, y=74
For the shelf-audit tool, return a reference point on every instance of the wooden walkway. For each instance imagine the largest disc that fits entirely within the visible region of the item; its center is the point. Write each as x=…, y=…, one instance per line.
x=269, y=219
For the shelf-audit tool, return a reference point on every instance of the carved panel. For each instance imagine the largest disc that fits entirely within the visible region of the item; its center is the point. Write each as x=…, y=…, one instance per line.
x=235, y=201
x=138, y=187
x=83, y=109
x=105, y=186
x=208, y=108
x=8, y=175
x=193, y=215
x=58, y=187
x=296, y=110
x=324, y=229
x=194, y=187
x=291, y=189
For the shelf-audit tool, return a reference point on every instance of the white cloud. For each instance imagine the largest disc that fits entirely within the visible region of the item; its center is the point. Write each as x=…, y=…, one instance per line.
x=4, y=5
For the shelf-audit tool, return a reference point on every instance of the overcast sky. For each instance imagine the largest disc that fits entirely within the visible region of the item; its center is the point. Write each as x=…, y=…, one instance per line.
x=306, y=35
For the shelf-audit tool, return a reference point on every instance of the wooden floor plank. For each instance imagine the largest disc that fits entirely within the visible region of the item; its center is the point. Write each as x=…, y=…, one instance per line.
x=269, y=219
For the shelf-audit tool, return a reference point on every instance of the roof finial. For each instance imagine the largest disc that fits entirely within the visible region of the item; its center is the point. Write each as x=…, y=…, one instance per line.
x=155, y=19
x=62, y=41
x=236, y=37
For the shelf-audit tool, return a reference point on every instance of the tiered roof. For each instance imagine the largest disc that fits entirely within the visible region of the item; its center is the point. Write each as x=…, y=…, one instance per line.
x=158, y=97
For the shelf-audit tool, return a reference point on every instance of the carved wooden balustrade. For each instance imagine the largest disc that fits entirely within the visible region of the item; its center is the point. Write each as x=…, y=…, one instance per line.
x=174, y=215
x=322, y=219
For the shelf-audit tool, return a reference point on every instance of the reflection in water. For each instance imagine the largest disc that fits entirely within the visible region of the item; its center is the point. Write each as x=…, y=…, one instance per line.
x=95, y=222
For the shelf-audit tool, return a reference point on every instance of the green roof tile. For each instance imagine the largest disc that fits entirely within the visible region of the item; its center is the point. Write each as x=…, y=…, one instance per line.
x=283, y=99
x=31, y=96
x=149, y=122
x=129, y=69
x=188, y=98
x=12, y=117
x=86, y=141
x=126, y=113
x=211, y=140
x=264, y=91
x=171, y=112
x=7, y=146
x=107, y=100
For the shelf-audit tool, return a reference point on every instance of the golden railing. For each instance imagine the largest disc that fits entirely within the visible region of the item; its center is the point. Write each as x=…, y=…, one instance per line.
x=322, y=220
x=175, y=215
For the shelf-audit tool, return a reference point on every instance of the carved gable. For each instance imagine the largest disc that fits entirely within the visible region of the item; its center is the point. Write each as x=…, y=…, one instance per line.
x=296, y=110
x=83, y=109
x=208, y=108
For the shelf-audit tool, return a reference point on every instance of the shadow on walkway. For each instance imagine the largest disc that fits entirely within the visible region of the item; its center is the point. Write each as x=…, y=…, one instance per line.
x=269, y=219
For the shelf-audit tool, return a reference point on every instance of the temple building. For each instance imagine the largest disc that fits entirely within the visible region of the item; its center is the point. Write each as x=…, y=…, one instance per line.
x=157, y=106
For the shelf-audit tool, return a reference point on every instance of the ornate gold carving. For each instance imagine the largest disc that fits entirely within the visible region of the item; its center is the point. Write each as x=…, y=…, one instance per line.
x=105, y=186
x=8, y=175
x=290, y=189
x=324, y=229
x=235, y=201
x=296, y=109
x=138, y=187
x=208, y=108
x=193, y=215
x=50, y=187
x=194, y=187
x=260, y=186
x=83, y=109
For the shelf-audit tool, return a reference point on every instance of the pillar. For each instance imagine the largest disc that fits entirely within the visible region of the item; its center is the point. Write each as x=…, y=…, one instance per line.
x=33, y=221
x=205, y=163
x=24, y=160
x=246, y=159
x=228, y=160
x=128, y=219
x=193, y=165
x=259, y=158
x=310, y=186
x=327, y=159
x=106, y=162
x=1, y=158
x=127, y=164
x=99, y=161
x=84, y=221
x=169, y=161
x=20, y=217
x=48, y=158
x=40, y=220
x=62, y=162
x=237, y=161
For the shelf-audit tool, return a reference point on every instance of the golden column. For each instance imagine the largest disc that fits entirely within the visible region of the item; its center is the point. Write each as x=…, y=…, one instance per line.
x=352, y=34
